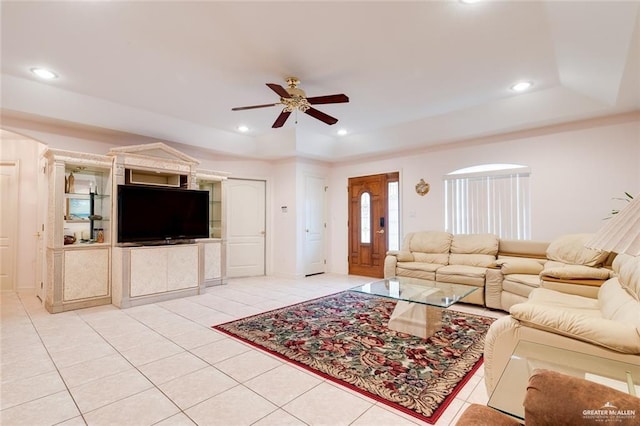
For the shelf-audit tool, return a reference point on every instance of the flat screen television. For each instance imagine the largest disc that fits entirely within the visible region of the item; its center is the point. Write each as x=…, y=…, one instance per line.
x=148, y=214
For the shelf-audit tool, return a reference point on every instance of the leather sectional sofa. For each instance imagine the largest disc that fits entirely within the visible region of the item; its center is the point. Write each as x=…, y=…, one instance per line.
x=505, y=270
x=607, y=327
x=559, y=294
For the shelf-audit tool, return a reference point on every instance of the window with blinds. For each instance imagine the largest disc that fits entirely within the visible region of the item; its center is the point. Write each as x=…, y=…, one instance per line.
x=491, y=198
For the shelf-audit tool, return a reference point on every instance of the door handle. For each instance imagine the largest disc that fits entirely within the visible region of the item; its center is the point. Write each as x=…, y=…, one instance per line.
x=380, y=231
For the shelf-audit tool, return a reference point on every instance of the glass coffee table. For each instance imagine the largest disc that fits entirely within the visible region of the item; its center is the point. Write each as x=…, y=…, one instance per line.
x=511, y=388
x=420, y=302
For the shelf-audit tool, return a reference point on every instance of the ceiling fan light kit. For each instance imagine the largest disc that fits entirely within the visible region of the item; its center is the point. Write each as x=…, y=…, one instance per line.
x=295, y=99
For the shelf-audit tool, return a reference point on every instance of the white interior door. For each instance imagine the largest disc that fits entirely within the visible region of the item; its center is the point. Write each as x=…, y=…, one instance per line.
x=314, y=233
x=8, y=224
x=246, y=222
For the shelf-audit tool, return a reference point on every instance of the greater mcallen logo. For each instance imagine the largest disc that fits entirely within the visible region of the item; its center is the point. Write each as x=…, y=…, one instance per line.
x=609, y=412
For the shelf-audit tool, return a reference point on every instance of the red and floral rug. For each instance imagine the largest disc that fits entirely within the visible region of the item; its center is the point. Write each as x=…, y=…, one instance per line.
x=344, y=338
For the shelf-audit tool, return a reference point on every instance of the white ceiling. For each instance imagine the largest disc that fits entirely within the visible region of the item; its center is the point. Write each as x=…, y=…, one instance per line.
x=417, y=73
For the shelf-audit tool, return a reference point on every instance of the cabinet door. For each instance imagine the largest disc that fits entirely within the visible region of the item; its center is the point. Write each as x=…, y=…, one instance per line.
x=212, y=261
x=148, y=271
x=182, y=267
x=86, y=274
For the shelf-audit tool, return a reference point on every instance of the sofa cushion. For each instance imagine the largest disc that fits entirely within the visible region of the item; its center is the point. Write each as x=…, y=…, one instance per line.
x=415, y=273
x=630, y=277
x=550, y=313
x=474, y=250
x=523, y=248
x=532, y=281
x=564, y=301
x=419, y=266
x=520, y=288
x=430, y=242
x=568, y=272
x=463, y=270
x=617, y=304
x=475, y=244
x=571, y=249
x=620, y=260
x=479, y=260
x=520, y=266
x=439, y=258
x=462, y=274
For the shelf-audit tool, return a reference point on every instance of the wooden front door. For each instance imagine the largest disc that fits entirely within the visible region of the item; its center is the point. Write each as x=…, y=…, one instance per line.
x=368, y=219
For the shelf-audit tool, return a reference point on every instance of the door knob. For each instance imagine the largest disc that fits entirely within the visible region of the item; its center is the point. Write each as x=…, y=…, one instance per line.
x=380, y=231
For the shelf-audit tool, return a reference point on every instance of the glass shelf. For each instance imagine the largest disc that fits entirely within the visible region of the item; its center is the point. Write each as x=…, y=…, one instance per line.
x=215, y=206
x=87, y=205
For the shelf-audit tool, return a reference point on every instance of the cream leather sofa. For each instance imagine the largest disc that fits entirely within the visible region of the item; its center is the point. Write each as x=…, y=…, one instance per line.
x=443, y=257
x=506, y=271
x=607, y=327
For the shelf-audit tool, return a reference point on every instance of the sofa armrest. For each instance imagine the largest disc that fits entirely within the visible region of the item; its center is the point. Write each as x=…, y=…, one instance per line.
x=493, y=288
x=401, y=255
x=615, y=335
x=554, y=398
x=390, y=263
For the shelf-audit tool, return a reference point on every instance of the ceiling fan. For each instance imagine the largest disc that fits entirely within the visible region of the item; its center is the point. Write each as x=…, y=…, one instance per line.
x=294, y=99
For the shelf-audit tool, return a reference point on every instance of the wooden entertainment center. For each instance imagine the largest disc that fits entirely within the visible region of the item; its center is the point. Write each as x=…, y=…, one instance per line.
x=87, y=266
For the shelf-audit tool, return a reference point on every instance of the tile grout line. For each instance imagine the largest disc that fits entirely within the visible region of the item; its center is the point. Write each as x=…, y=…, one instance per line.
x=52, y=360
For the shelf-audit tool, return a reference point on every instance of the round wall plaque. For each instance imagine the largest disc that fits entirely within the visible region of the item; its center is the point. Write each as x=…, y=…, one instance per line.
x=422, y=187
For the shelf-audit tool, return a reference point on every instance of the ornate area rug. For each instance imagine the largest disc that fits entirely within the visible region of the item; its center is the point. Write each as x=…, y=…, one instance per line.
x=344, y=338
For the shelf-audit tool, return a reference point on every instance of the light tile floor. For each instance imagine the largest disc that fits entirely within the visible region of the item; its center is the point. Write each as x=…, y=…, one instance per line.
x=162, y=364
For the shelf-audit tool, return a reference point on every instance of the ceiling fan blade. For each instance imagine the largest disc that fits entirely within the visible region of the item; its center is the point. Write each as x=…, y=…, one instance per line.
x=253, y=107
x=321, y=116
x=281, y=119
x=328, y=99
x=279, y=90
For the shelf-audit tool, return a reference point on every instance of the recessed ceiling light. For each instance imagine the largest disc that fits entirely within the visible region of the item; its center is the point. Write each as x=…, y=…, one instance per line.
x=44, y=73
x=342, y=132
x=243, y=128
x=521, y=86
x=470, y=1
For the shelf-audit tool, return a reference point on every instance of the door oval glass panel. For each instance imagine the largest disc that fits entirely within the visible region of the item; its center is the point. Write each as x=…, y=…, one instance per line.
x=365, y=218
